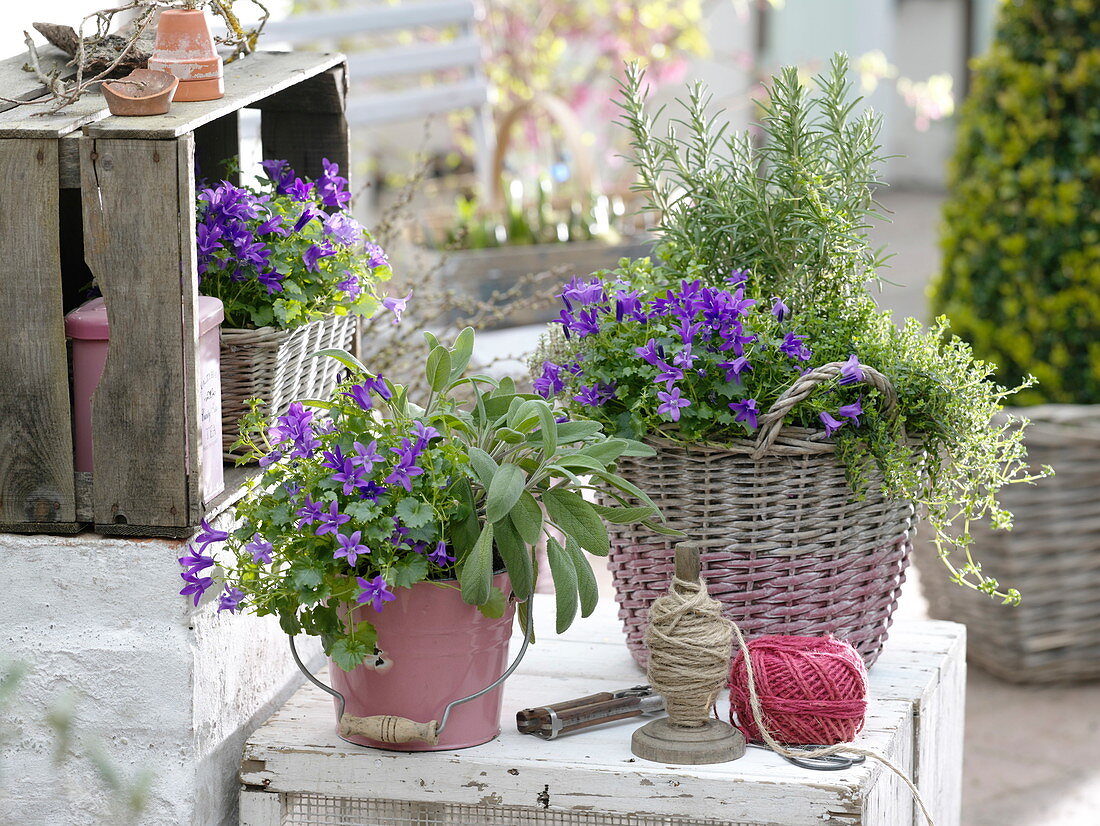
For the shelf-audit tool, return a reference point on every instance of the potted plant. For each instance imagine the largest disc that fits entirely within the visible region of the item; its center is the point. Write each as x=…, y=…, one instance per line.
x=402, y=535
x=1020, y=280
x=797, y=429
x=294, y=270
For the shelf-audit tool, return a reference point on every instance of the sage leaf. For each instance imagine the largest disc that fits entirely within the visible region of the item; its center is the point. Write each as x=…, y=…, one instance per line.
x=476, y=576
x=439, y=369
x=517, y=557
x=503, y=492
x=526, y=515
x=577, y=518
x=586, y=580
x=565, y=583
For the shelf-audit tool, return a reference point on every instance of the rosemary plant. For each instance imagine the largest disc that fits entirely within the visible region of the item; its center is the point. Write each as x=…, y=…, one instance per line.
x=651, y=347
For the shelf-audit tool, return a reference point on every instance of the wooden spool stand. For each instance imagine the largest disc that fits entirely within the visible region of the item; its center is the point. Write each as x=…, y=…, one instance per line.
x=84, y=193
x=676, y=742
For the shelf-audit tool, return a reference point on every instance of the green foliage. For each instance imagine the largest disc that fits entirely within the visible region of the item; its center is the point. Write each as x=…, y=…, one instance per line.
x=1021, y=231
x=453, y=490
x=794, y=213
x=792, y=205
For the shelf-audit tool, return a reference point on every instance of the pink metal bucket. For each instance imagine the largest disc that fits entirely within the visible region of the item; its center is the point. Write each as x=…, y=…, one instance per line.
x=435, y=649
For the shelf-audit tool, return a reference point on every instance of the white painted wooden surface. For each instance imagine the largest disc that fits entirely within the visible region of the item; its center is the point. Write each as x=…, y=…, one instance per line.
x=914, y=718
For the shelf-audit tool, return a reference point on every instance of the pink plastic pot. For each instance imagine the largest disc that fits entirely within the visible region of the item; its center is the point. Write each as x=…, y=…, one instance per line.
x=435, y=649
x=87, y=327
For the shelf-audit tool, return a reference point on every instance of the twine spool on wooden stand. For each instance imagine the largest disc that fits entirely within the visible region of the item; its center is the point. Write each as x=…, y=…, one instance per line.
x=689, y=643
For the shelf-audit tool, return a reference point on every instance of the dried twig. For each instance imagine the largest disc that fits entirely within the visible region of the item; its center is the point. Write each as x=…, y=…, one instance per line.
x=103, y=44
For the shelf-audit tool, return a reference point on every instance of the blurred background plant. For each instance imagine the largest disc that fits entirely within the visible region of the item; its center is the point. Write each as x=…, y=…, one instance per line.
x=1021, y=243
x=126, y=796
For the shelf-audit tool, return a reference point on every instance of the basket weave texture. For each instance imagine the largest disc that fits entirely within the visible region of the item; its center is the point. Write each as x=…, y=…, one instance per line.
x=275, y=365
x=787, y=548
x=1051, y=555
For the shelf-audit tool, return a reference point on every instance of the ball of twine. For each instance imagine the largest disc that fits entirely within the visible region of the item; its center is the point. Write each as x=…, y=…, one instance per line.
x=813, y=690
x=689, y=648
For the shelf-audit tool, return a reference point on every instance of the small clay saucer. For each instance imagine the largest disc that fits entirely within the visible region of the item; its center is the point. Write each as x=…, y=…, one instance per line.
x=142, y=92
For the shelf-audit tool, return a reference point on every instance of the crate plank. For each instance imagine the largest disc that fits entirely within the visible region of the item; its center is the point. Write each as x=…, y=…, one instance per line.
x=324, y=92
x=36, y=122
x=191, y=402
x=248, y=80
x=68, y=155
x=36, y=448
x=15, y=84
x=302, y=136
x=132, y=243
x=214, y=143
x=258, y=808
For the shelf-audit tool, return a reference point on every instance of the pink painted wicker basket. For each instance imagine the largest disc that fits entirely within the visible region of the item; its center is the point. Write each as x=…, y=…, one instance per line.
x=787, y=548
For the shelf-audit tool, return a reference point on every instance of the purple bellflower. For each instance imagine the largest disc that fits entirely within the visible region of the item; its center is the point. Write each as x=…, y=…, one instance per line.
x=745, y=411
x=375, y=591
x=671, y=403
x=230, y=599
x=832, y=424
x=349, y=547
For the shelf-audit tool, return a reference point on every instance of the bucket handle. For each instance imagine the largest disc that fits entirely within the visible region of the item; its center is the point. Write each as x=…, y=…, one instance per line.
x=391, y=729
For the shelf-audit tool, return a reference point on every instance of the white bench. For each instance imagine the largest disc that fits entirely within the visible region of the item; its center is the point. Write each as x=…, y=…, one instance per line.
x=297, y=771
x=369, y=106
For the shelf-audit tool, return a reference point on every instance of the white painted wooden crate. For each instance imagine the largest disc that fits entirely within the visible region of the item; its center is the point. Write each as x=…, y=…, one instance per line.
x=297, y=772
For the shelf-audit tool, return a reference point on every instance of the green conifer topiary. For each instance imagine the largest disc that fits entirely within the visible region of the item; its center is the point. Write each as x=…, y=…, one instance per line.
x=1021, y=271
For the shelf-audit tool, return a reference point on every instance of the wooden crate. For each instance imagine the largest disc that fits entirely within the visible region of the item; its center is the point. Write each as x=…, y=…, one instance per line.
x=297, y=772
x=83, y=193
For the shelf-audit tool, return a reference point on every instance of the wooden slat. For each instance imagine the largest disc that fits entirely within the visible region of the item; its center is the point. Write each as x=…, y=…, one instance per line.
x=190, y=410
x=15, y=84
x=464, y=52
x=418, y=103
x=260, y=808
x=324, y=92
x=36, y=449
x=369, y=20
x=132, y=207
x=35, y=122
x=246, y=81
x=68, y=156
x=214, y=143
x=303, y=137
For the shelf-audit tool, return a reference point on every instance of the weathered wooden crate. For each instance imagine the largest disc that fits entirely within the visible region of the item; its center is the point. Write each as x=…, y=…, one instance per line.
x=83, y=193
x=297, y=772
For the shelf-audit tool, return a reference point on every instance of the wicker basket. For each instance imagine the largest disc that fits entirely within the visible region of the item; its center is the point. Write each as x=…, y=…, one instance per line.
x=1052, y=556
x=789, y=549
x=275, y=365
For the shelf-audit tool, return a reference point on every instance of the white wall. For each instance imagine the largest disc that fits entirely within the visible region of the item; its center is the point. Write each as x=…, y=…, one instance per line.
x=166, y=687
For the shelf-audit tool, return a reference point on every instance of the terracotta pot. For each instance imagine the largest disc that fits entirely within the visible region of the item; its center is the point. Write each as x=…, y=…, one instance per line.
x=435, y=649
x=142, y=92
x=185, y=47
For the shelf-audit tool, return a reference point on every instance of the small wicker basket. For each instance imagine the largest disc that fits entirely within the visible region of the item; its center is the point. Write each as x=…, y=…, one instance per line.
x=275, y=365
x=1051, y=556
x=790, y=550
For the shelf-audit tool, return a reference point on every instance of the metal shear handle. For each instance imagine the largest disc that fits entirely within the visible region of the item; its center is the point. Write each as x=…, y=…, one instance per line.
x=828, y=763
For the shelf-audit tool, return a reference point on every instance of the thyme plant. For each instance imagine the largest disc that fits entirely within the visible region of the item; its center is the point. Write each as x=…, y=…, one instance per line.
x=666, y=347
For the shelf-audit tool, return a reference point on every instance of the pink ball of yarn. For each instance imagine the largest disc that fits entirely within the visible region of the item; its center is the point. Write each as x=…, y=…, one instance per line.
x=812, y=690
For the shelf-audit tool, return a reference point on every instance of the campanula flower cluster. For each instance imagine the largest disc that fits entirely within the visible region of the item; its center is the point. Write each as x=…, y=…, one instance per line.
x=287, y=251
x=366, y=493
x=355, y=506
x=705, y=362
